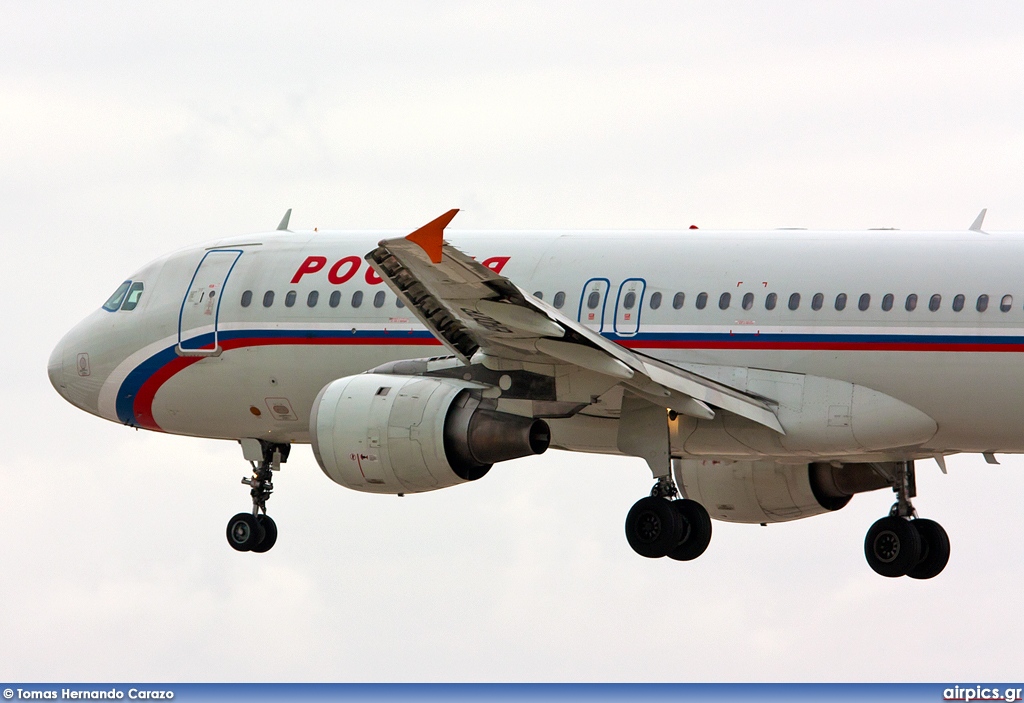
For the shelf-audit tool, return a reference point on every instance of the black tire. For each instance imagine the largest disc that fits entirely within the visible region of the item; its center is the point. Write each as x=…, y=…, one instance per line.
x=892, y=547
x=696, y=530
x=934, y=549
x=653, y=527
x=269, y=534
x=244, y=532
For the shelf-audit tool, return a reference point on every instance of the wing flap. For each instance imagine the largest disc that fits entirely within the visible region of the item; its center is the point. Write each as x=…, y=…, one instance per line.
x=472, y=309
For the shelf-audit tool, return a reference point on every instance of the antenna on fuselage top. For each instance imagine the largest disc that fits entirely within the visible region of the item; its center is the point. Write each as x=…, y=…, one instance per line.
x=283, y=227
x=976, y=227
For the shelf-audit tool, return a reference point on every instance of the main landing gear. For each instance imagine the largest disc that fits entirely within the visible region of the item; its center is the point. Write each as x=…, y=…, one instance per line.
x=253, y=532
x=903, y=544
x=666, y=525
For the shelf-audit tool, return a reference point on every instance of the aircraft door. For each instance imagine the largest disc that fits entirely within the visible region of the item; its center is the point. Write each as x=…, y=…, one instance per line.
x=200, y=310
x=592, y=303
x=627, y=306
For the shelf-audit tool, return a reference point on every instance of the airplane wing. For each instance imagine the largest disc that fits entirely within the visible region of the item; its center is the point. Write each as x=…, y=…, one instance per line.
x=472, y=310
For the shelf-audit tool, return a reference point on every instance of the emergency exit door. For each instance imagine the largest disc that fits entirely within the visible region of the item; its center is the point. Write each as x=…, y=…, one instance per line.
x=627, y=306
x=593, y=302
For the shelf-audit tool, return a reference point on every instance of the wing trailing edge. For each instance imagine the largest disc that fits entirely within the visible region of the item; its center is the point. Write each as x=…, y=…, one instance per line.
x=471, y=309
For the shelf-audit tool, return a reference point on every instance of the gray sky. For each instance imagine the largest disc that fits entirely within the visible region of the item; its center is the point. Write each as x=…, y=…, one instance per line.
x=128, y=131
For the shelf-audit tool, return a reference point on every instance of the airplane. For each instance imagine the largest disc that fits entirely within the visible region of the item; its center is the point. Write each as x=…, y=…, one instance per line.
x=762, y=376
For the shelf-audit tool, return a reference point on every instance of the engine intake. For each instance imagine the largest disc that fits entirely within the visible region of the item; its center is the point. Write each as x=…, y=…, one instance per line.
x=400, y=434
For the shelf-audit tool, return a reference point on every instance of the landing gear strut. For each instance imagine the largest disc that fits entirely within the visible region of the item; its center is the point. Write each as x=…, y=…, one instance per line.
x=255, y=532
x=903, y=544
x=665, y=525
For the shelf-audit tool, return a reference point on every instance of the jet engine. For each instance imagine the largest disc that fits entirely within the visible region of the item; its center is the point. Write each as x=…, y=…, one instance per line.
x=766, y=491
x=406, y=434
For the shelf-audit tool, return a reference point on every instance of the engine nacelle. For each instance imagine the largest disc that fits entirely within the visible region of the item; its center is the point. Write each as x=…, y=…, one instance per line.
x=406, y=434
x=765, y=491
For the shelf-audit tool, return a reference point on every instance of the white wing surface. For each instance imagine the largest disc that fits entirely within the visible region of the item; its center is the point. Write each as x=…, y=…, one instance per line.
x=480, y=315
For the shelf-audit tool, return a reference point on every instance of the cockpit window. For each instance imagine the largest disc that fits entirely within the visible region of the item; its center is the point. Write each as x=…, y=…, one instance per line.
x=134, y=293
x=114, y=302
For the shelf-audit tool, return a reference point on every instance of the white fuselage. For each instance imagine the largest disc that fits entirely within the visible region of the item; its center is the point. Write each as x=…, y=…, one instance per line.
x=961, y=367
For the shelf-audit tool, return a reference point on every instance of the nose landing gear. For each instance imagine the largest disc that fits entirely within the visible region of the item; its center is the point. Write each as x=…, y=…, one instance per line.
x=256, y=532
x=903, y=544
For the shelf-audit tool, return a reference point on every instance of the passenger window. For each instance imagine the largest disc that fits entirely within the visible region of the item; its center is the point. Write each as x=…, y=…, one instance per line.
x=335, y=299
x=536, y=294
x=378, y=300
x=724, y=300
x=958, y=302
x=592, y=300
x=982, y=305
x=748, y=301
x=312, y=299
x=114, y=301
x=559, y=300
x=770, y=300
x=817, y=301
x=841, y=301
x=246, y=298
x=357, y=298
x=678, y=300
x=1004, y=305
x=268, y=298
x=398, y=303
x=289, y=299
x=794, y=301
x=655, y=301
x=887, y=300
x=135, y=292
x=865, y=302
x=911, y=302
x=702, y=300
x=629, y=300
x=935, y=302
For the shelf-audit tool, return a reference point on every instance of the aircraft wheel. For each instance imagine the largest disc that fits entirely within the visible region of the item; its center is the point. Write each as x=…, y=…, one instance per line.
x=244, y=532
x=653, y=527
x=696, y=530
x=269, y=534
x=934, y=549
x=892, y=547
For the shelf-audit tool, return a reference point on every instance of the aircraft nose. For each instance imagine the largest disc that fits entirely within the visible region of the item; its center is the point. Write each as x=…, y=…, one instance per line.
x=72, y=367
x=55, y=369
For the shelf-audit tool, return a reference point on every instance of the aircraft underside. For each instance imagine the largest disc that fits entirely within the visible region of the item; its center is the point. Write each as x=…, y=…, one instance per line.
x=414, y=433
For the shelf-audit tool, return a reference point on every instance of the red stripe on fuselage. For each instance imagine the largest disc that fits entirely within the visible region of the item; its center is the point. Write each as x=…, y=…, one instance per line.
x=820, y=346
x=143, y=404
